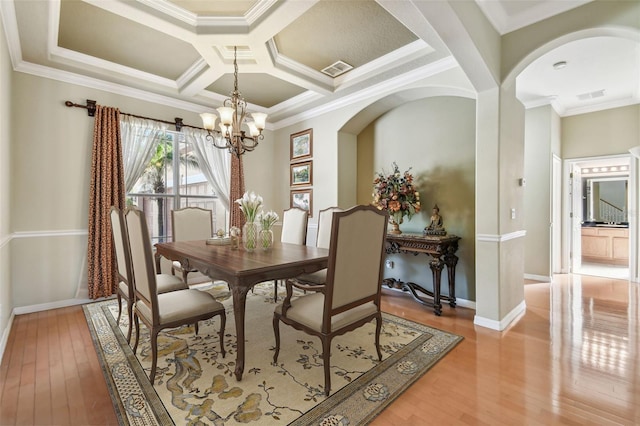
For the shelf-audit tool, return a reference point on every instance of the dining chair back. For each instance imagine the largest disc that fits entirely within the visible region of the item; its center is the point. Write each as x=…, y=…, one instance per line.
x=126, y=282
x=166, y=310
x=350, y=297
x=294, y=231
x=323, y=240
x=190, y=223
x=294, y=226
x=325, y=218
x=123, y=263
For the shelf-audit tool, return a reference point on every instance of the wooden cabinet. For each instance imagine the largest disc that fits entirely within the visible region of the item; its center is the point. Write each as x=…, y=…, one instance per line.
x=605, y=245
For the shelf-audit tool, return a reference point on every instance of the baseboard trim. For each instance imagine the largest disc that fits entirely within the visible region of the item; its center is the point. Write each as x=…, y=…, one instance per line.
x=537, y=278
x=463, y=303
x=5, y=336
x=505, y=322
x=51, y=305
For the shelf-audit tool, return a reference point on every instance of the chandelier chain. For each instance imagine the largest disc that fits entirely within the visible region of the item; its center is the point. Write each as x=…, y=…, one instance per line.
x=232, y=116
x=235, y=69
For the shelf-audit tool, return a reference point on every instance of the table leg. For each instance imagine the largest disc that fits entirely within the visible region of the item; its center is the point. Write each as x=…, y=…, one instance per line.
x=451, y=260
x=239, y=293
x=436, y=266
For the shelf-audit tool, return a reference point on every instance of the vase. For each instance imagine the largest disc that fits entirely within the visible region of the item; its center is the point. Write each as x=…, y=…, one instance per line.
x=250, y=236
x=395, y=226
x=265, y=239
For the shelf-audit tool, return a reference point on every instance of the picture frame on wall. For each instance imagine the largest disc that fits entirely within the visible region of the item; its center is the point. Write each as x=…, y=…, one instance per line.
x=302, y=199
x=301, y=145
x=301, y=173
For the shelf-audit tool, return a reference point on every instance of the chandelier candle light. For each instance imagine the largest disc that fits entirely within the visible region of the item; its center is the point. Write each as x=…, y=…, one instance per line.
x=232, y=116
x=396, y=194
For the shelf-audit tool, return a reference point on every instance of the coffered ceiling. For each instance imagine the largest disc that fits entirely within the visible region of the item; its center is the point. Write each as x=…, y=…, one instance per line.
x=181, y=52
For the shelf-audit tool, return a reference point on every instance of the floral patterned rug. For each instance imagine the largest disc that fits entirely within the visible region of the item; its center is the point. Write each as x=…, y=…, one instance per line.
x=194, y=385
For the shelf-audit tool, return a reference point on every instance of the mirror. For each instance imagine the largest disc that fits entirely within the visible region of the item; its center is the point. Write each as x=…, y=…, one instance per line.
x=605, y=199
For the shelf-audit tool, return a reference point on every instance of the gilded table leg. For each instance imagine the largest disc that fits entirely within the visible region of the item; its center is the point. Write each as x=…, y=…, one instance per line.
x=239, y=301
x=436, y=266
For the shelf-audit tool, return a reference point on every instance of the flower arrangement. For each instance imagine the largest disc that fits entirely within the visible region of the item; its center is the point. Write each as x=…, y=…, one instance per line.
x=250, y=204
x=267, y=220
x=396, y=194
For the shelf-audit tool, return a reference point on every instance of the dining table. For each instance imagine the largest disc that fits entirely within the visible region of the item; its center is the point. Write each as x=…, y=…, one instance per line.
x=242, y=269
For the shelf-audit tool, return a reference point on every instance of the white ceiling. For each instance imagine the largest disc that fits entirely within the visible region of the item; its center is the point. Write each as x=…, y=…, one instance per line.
x=180, y=52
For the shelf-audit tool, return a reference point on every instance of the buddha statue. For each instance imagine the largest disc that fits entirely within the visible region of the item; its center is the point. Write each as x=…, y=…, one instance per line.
x=435, y=227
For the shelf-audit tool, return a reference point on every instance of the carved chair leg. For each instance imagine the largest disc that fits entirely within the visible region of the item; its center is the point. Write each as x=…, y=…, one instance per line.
x=223, y=323
x=326, y=354
x=137, y=322
x=119, y=308
x=154, y=354
x=130, y=315
x=378, y=328
x=276, y=333
x=275, y=290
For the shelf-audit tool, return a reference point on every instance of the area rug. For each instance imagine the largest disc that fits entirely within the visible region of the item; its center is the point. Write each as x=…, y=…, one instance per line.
x=194, y=385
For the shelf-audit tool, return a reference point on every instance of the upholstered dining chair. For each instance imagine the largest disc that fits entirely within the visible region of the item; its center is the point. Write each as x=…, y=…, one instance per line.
x=323, y=238
x=294, y=226
x=165, y=282
x=166, y=310
x=294, y=231
x=190, y=223
x=350, y=297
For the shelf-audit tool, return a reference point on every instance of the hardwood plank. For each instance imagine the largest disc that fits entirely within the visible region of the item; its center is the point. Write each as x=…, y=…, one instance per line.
x=59, y=406
x=571, y=359
x=43, y=411
x=13, y=360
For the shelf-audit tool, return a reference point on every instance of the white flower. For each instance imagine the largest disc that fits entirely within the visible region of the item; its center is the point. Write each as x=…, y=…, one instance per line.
x=250, y=204
x=267, y=220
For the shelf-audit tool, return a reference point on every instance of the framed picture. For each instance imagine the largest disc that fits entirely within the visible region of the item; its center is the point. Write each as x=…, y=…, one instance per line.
x=301, y=173
x=302, y=145
x=303, y=199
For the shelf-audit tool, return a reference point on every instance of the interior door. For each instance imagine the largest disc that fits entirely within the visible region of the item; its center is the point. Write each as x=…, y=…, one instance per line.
x=575, y=188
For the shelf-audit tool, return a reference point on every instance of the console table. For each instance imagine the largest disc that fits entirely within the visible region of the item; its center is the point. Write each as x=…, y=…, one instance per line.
x=441, y=249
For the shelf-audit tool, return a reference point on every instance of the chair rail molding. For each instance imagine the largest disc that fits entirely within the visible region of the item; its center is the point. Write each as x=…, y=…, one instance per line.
x=41, y=234
x=493, y=238
x=5, y=240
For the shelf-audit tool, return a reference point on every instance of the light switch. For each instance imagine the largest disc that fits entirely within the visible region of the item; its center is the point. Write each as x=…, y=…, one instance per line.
x=513, y=213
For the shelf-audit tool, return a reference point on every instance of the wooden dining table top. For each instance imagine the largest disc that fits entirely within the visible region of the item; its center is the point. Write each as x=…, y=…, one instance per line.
x=239, y=263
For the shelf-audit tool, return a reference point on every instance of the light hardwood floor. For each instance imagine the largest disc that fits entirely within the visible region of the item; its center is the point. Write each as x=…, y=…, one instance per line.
x=573, y=358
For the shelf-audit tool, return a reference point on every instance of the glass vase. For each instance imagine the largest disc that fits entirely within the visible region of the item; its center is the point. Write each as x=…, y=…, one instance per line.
x=250, y=236
x=266, y=239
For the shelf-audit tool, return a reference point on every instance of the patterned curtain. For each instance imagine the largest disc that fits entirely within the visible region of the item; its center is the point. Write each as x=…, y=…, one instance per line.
x=107, y=189
x=236, y=190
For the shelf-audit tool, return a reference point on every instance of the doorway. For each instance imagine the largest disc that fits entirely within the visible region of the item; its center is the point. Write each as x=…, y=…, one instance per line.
x=601, y=227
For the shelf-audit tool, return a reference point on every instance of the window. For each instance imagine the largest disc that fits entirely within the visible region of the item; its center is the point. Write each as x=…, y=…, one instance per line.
x=173, y=180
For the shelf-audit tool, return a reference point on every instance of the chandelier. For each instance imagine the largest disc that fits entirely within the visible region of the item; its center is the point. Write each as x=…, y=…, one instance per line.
x=232, y=114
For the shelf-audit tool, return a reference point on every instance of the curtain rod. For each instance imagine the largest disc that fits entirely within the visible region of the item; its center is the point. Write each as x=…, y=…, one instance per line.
x=91, y=111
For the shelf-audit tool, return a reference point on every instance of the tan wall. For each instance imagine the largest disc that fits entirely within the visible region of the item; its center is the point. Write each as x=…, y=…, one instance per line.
x=51, y=159
x=537, y=203
x=600, y=133
x=6, y=298
x=435, y=137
